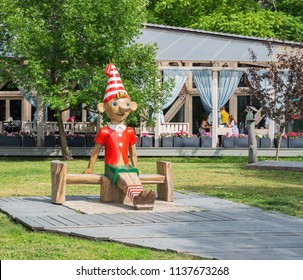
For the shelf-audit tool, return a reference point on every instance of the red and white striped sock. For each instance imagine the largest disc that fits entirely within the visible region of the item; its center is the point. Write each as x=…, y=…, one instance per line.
x=133, y=191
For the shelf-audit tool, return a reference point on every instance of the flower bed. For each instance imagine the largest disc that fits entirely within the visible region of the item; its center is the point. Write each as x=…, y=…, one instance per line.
x=12, y=139
x=147, y=141
x=50, y=141
x=263, y=141
x=284, y=141
x=90, y=140
x=206, y=140
x=184, y=139
x=241, y=142
x=167, y=140
x=235, y=140
x=228, y=140
x=138, y=141
x=75, y=140
x=295, y=139
x=28, y=138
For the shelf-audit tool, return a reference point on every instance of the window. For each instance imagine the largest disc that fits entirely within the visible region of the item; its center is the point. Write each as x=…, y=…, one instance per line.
x=10, y=108
x=51, y=115
x=15, y=109
x=76, y=111
x=2, y=110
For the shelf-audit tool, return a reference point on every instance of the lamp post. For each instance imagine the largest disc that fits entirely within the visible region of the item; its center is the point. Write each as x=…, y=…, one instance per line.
x=252, y=142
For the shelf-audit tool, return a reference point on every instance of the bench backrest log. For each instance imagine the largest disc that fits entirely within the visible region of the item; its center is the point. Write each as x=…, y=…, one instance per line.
x=60, y=178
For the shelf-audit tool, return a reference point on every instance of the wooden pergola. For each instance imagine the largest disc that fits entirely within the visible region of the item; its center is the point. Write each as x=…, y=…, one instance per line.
x=188, y=49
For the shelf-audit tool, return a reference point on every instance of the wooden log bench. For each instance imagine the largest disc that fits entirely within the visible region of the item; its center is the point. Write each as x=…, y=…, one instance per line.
x=108, y=191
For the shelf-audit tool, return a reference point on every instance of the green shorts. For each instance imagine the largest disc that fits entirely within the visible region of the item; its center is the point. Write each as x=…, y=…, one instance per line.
x=112, y=171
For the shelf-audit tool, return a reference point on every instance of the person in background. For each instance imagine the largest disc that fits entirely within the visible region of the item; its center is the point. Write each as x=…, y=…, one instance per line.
x=224, y=116
x=204, y=127
x=233, y=124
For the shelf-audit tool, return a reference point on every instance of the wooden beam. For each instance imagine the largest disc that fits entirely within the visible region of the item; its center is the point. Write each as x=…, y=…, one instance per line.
x=152, y=178
x=94, y=179
x=175, y=108
x=215, y=109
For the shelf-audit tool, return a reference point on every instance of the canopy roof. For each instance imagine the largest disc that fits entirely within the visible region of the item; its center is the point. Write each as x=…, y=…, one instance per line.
x=196, y=45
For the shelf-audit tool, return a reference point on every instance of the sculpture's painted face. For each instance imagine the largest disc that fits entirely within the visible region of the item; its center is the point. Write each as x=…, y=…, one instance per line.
x=117, y=109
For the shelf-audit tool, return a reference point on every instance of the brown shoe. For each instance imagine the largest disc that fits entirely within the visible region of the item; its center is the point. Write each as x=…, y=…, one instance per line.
x=145, y=200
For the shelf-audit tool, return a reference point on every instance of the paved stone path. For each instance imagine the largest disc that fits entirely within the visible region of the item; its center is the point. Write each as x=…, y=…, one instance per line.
x=220, y=229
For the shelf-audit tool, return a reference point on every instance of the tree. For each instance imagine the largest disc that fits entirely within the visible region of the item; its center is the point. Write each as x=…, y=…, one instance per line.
x=279, y=87
x=291, y=7
x=60, y=48
x=265, y=19
x=263, y=24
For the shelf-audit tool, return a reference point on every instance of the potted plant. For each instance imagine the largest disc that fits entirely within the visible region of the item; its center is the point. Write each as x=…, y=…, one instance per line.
x=258, y=139
x=10, y=139
x=147, y=140
x=28, y=138
x=295, y=139
x=265, y=141
x=206, y=139
x=90, y=139
x=241, y=141
x=167, y=139
x=184, y=139
x=138, y=141
x=284, y=141
x=75, y=140
x=228, y=140
x=50, y=140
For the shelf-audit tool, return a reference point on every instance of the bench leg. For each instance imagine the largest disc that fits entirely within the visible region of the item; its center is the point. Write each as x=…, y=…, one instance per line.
x=58, y=176
x=165, y=191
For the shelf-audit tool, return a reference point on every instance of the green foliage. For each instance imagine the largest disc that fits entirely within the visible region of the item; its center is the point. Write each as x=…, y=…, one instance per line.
x=291, y=7
x=275, y=19
x=64, y=47
x=60, y=48
x=264, y=24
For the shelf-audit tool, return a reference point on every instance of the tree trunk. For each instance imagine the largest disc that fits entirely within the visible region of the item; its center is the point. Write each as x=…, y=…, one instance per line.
x=279, y=142
x=66, y=154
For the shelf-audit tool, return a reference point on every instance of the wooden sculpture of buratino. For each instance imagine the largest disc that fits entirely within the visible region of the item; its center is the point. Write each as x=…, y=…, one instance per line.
x=121, y=181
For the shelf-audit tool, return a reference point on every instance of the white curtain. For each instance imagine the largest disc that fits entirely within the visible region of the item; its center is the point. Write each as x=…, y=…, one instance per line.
x=203, y=82
x=228, y=83
x=179, y=77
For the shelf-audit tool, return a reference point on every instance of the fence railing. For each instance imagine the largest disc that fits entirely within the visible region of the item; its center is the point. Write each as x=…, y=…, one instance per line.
x=164, y=128
x=69, y=127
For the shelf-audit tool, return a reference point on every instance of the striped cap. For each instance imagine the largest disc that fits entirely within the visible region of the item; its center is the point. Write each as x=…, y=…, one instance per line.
x=114, y=83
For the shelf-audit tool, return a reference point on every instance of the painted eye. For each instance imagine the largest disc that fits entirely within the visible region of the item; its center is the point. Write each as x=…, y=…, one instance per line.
x=115, y=103
x=127, y=104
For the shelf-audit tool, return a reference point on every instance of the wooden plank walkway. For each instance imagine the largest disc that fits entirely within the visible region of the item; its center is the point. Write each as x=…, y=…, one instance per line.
x=220, y=229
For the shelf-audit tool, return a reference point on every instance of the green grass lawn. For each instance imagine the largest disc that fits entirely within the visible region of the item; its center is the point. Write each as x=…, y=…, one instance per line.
x=224, y=177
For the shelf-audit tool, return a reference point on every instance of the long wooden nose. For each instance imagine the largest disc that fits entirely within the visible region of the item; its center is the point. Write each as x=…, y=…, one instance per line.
x=124, y=107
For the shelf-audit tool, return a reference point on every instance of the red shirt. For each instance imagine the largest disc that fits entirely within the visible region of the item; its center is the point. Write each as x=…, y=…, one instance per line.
x=116, y=142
